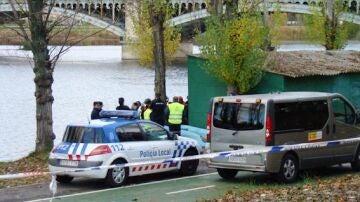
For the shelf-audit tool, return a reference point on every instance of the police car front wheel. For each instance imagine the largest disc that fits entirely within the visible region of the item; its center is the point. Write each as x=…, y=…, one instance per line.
x=117, y=176
x=189, y=167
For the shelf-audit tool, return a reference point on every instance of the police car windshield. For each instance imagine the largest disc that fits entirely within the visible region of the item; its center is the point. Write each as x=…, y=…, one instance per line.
x=78, y=134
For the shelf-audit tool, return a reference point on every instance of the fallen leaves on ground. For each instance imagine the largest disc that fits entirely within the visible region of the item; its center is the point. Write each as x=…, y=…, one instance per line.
x=344, y=188
x=33, y=163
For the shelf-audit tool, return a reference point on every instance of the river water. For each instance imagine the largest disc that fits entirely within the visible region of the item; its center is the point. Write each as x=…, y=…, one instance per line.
x=84, y=75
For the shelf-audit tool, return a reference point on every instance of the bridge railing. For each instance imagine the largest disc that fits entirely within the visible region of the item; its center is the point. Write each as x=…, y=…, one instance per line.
x=92, y=20
x=189, y=17
x=350, y=17
x=284, y=7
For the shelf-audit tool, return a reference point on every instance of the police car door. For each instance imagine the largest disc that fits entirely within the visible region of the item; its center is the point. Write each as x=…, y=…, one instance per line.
x=159, y=147
x=132, y=142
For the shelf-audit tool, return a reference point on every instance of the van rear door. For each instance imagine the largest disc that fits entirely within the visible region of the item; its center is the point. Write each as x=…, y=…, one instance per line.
x=236, y=123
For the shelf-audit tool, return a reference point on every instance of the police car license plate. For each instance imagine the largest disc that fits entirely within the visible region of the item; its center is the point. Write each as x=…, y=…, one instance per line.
x=69, y=163
x=237, y=159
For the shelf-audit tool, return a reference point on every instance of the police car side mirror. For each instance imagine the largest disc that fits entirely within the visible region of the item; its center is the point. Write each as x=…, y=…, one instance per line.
x=172, y=136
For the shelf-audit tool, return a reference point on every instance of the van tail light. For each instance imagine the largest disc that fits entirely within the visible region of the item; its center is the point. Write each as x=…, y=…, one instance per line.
x=103, y=149
x=268, y=131
x=208, y=127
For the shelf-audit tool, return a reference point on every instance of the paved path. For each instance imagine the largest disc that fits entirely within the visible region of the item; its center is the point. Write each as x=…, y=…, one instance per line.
x=160, y=187
x=80, y=185
x=206, y=186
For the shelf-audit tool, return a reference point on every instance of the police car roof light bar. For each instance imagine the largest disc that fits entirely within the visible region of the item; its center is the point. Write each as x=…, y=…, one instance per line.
x=129, y=114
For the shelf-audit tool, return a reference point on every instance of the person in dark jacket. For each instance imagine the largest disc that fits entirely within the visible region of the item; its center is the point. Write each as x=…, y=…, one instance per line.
x=97, y=107
x=157, y=107
x=185, y=119
x=121, y=105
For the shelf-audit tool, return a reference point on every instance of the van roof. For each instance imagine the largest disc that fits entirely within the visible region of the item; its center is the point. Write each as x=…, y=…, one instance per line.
x=282, y=95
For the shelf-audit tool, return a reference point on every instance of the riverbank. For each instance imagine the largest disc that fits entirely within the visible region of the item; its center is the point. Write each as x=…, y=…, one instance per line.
x=85, y=33
x=35, y=162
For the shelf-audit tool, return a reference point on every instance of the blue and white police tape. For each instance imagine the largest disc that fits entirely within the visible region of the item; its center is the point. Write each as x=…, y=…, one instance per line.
x=185, y=158
x=225, y=154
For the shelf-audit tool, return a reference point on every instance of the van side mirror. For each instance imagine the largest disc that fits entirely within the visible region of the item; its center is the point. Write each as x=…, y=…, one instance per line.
x=172, y=136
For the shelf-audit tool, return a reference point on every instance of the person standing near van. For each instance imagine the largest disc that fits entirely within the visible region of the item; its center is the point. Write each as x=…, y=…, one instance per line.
x=97, y=107
x=175, y=114
x=158, y=108
x=185, y=119
x=121, y=105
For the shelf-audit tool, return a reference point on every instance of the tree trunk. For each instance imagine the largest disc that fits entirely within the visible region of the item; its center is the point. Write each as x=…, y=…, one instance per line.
x=331, y=26
x=43, y=77
x=217, y=6
x=232, y=90
x=266, y=21
x=231, y=9
x=157, y=21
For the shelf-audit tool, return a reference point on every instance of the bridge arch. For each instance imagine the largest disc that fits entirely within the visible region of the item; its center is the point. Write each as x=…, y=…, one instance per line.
x=354, y=6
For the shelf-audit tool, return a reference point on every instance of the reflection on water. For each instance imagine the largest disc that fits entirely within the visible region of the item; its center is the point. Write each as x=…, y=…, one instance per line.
x=76, y=86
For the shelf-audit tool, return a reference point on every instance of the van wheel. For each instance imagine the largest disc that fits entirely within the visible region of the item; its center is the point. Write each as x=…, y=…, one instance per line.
x=116, y=177
x=355, y=165
x=289, y=169
x=189, y=167
x=64, y=179
x=227, y=173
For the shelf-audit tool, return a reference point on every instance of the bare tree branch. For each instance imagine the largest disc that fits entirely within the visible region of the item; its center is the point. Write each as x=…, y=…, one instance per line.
x=13, y=5
x=49, y=9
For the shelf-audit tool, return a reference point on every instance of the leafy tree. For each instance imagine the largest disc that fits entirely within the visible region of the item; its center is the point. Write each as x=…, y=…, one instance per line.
x=324, y=26
x=234, y=46
x=156, y=41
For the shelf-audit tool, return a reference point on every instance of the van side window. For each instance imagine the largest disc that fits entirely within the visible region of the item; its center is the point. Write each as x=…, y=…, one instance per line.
x=239, y=116
x=129, y=133
x=308, y=115
x=286, y=117
x=342, y=111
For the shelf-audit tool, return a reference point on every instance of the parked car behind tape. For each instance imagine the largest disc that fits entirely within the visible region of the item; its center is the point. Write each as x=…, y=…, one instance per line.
x=263, y=121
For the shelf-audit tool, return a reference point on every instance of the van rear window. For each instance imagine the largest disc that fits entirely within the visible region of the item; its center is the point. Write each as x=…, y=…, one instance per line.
x=76, y=134
x=239, y=116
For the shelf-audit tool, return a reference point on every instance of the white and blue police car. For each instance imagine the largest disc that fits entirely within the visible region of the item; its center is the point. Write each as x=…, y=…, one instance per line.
x=117, y=138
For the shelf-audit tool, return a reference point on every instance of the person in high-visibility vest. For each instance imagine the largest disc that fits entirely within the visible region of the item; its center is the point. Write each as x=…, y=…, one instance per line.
x=146, y=111
x=175, y=114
